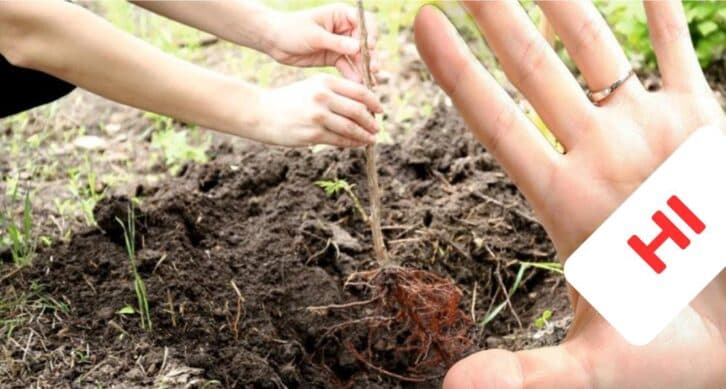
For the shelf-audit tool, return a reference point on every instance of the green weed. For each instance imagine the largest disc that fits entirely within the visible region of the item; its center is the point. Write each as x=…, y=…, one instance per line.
x=523, y=266
x=18, y=235
x=542, y=320
x=333, y=187
x=126, y=310
x=86, y=195
x=175, y=145
x=139, y=286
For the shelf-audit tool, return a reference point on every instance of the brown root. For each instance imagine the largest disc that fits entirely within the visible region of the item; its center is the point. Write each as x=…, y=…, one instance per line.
x=412, y=317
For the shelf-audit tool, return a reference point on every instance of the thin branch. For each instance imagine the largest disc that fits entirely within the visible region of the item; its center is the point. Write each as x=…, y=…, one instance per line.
x=507, y=299
x=379, y=247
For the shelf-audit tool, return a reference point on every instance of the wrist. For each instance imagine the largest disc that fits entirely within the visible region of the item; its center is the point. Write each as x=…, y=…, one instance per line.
x=233, y=107
x=247, y=118
x=261, y=33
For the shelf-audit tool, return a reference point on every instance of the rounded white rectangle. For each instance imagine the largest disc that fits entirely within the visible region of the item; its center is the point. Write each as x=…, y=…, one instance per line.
x=640, y=294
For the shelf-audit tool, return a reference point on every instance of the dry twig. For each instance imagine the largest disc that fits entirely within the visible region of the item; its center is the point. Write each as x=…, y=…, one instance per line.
x=379, y=247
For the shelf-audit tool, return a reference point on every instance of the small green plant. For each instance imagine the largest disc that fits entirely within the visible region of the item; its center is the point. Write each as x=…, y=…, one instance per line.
x=175, y=145
x=86, y=194
x=65, y=209
x=139, y=286
x=542, y=320
x=333, y=187
x=555, y=267
x=18, y=234
x=126, y=310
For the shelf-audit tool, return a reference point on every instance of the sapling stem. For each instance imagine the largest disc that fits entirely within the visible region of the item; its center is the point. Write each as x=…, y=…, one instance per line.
x=379, y=247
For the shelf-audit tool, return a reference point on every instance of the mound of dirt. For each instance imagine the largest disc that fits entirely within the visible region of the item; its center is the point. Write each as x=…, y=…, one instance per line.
x=253, y=222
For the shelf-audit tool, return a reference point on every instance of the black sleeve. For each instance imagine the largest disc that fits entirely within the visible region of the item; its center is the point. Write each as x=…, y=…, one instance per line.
x=22, y=89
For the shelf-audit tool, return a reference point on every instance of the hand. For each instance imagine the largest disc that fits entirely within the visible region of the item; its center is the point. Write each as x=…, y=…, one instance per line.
x=320, y=110
x=323, y=36
x=610, y=150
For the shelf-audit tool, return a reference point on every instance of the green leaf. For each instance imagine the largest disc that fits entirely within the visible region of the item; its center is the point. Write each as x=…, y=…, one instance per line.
x=334, y=186
x=547, y=314
x=707, y=27
x=554, y=267
x=127, y=310
x=541, y=321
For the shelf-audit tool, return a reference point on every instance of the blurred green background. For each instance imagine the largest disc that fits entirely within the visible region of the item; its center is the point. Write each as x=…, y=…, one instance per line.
x=706, y=19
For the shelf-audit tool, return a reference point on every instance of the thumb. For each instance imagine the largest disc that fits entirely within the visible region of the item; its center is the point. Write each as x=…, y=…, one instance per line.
x=550, y=367
x=340, y=44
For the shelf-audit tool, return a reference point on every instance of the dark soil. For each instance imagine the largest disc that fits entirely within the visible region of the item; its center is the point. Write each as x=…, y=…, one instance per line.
x=254, y=218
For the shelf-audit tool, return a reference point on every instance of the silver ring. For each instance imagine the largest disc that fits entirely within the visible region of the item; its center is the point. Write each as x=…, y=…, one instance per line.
x=597, y=96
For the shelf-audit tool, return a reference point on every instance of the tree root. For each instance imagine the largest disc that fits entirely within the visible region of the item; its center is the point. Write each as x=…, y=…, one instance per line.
x=412, y=318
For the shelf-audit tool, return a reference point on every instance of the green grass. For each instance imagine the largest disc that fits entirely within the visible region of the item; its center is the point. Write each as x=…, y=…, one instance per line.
x=83, y=187
x=16, y=310
x=163, y=33
x=555, y=267
x=178, y=146
x=129, y=230
x=17, y=232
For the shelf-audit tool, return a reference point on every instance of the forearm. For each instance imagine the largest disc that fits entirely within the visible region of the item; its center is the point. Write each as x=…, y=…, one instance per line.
x=244, y=22
x=75, y=45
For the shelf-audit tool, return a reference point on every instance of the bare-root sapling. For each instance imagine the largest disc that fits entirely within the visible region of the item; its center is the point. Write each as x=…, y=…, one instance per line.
x=409, y=314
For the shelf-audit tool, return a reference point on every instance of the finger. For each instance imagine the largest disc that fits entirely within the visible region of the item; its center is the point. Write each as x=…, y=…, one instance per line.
x=354, y=111
x=487, y=109
x=533, y=67
x=333, y=139
x=340, y=44
x=550, y=367
x=677, y=60
x=590, y=42
x=347, y=71
x=374, y=64
x=356, y=92
x=347, y=129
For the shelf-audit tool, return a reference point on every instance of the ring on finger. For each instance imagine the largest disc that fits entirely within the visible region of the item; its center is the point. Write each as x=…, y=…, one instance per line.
x=599, y=95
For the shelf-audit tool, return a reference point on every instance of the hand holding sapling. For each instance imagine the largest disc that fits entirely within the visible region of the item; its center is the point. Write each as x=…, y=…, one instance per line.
x=322, y=36
x=322, y=109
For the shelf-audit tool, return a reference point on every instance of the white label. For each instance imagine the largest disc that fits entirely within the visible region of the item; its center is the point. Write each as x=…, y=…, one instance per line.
x=662, y=246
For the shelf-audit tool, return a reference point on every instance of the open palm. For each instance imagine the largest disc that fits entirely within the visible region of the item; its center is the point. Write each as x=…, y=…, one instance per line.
x=610, y=150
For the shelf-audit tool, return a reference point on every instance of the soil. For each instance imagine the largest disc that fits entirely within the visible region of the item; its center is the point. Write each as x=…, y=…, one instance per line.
x=252, y=220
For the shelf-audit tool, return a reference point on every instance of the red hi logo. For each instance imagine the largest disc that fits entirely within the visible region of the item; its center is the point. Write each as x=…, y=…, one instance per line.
x=668, y=231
